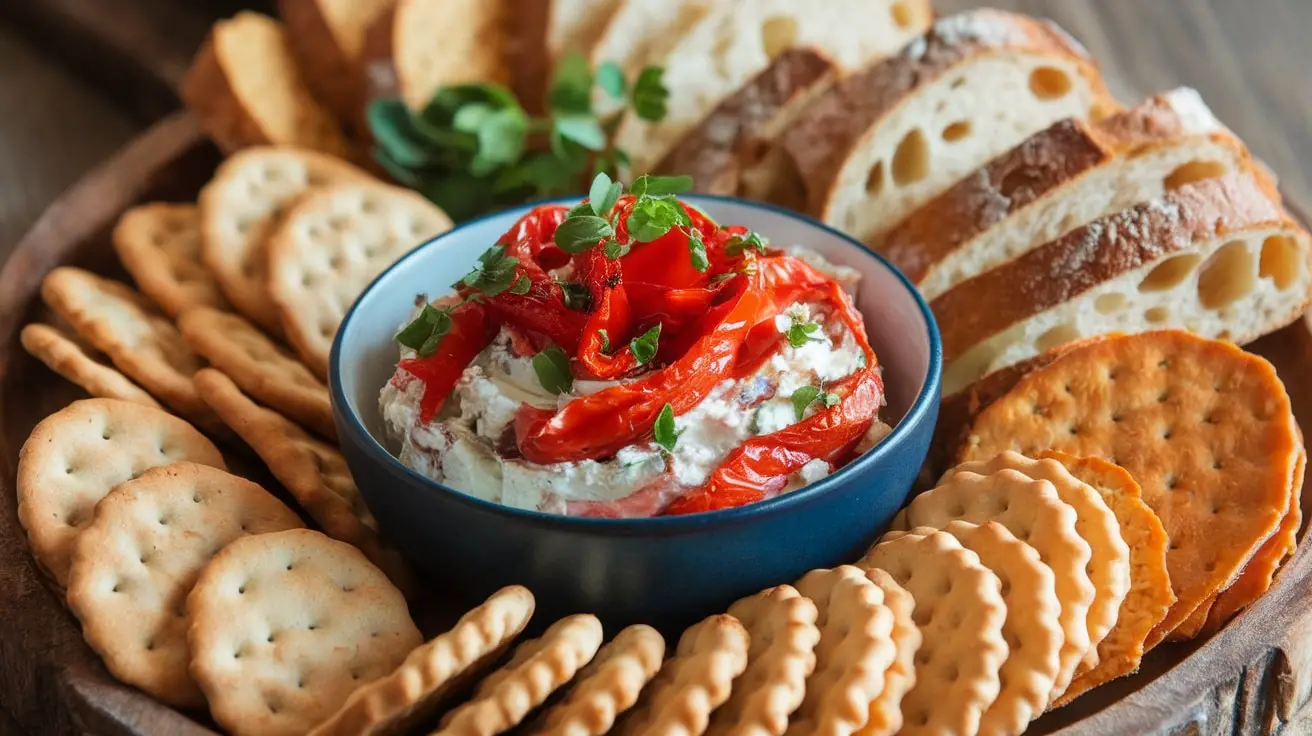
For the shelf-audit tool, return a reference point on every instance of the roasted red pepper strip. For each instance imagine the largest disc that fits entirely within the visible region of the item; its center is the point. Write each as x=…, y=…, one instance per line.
x=665, y=260
x=471, y=331
x=542, y=311
x=610, y=312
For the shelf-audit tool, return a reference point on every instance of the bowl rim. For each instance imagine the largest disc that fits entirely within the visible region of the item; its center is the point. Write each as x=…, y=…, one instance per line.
x=926, y=400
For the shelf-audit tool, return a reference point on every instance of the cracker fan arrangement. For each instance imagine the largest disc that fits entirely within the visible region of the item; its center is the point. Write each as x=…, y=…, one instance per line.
x=1116, y=473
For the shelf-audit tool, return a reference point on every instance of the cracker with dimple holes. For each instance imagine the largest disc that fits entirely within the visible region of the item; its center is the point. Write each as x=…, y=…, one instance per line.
x=692, y=683
x=134, y=564
x=1205, y=428
x=119, y=323
x=282, y=627
x=76, y=455
x=330, y=245
x=413, y=692
x=900, y=677
x=1033, y=512
x=239, y=208
x=607, y=687
x=159, y=244
x=1109, y=558
x=855, y=650
x=536, y=669
x=259, y=367
x=62, y=354
x=960, y=612
x=1031, y=630
x=782, y=626
x=314, y=472
x=1150, y=594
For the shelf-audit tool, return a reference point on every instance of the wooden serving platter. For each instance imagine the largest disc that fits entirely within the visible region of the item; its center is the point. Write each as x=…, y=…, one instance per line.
x=1253, y=677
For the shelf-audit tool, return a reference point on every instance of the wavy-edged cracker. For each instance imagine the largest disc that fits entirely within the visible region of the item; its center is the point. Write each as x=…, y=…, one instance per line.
x=76, y=455
x=134, y=564
x=607, y=687
x=239, y=208
x=1032, y=511
x=118, y=322
x=1149, y=597
x=855, y=650
x=1205, y=428
x=1109, y=556
x=395, y=704
x=692, y=683
x=259, y=367
x=62, y=354
x=536, y=669
x=960, y=612
x=1031, y=630
x=330, y=245
x=159, y=244
x=282, y=627
x=900, y=677
x=782, y=625
x=314, y=472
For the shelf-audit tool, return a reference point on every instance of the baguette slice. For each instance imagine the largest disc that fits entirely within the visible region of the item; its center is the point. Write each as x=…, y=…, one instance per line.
x=888, y=139
x=543, y=32
x=1058, y=179
x=245, y=89
x=735, y=41
x=327, y=39
x=640, y=32
x=735, y=151
x=1219, y=257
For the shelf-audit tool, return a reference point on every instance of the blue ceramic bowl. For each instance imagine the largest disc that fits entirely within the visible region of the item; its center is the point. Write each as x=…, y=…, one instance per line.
x=666, y=571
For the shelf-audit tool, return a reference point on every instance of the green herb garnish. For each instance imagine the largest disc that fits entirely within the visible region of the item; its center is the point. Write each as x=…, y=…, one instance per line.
x=605, y=340
x=576, y=296
x=494, y=273
x=807, y=395
x=424, y=333
x=651, y=218
x=751, y=240
x=664, y=432
x=579, y=233
x=552, y=367
x=644, y=346
x=800, y=333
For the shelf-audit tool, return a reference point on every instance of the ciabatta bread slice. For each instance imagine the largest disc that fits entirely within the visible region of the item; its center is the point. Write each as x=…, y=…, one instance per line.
x=327, y=39
x=888, y=139
x=641, y=32
x=246, y=90
x=1058, y=179
x=735, y=151
x=1219, y=257
x=735, y=41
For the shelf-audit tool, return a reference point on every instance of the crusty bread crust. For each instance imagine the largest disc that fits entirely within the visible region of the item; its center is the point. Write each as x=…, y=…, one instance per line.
x=840, y=121
x=528, y=53
x=333, y=73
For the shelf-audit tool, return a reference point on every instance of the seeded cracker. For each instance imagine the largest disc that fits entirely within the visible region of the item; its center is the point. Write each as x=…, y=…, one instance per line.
x=886, y=708
x=395, y=704
x=135, y=563
x=76, y=455
x=282, y=627
x=607, y=687
x=63, y=355
x=159, y=244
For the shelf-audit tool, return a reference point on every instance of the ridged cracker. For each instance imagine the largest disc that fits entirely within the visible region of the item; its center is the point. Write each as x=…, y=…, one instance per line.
x=134, y=564
x=282, y=627
x=159, y=244
x=261, y=368
x=62, y=354
x=691, y=684
x=900, y=677
x=240, y=206
x=1031, y=630
x=330, y=245
x=607, y=687
x=537, y=669
x=855, y=650
x=76, y=455
x=1150, y=595
x=1109, y=556
x=782, y=626
x=395, y=704
x=314, y=472
x=1205, y=428
x=1032, y=511
x=960, y=612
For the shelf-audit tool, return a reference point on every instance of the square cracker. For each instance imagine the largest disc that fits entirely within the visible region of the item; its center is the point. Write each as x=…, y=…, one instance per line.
x=159, y=244
x=62, y=354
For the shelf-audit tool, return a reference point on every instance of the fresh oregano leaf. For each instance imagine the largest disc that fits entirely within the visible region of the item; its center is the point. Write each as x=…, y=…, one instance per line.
x=800, y=333
x=650, y=96
x=501, y=139
x=521, y=286
x=644, y=346
x=611, y=80
x=394, y=168
x=577, y=234
x=582, y=209
x=665, y=434
x=426, y=330
x=751, y=240
x=614, y=250
x=552, y=367
x=576, y=296
x=394, y=133
x=697, y=250
x=660, y=186
x=802, y=398
x=651, y=218
x=830, y=400
x=494, y=272
x=571, y=86
x=597, y=194
x=582, y=129
x=471, y=117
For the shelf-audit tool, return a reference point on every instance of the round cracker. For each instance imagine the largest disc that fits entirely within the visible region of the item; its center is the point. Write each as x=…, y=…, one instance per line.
x=607, y=687
x=886, y=708
x=63, y=355
x=1032, y=511
x=960, y=612
x=76, y=455
x=283, y=627
x=159, y=245
x=1205, y=428
x=134, y=564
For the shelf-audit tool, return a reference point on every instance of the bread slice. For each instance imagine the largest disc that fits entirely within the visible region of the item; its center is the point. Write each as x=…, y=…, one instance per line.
x=734, y=151
x=735, y=41
x=642, y=32
x=1058, y=179
x=1219, y=257
x=542, y=32
x=890, y=138
x=418, y=46
x=246, y=90
x=327, y=39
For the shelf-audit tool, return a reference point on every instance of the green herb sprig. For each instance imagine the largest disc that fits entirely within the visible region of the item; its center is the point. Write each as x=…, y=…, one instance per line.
x=807, y=395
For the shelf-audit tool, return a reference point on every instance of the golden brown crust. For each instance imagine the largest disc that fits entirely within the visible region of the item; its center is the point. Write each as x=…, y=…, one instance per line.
x=530, y=58
x=332, y=72
x=63, y=355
